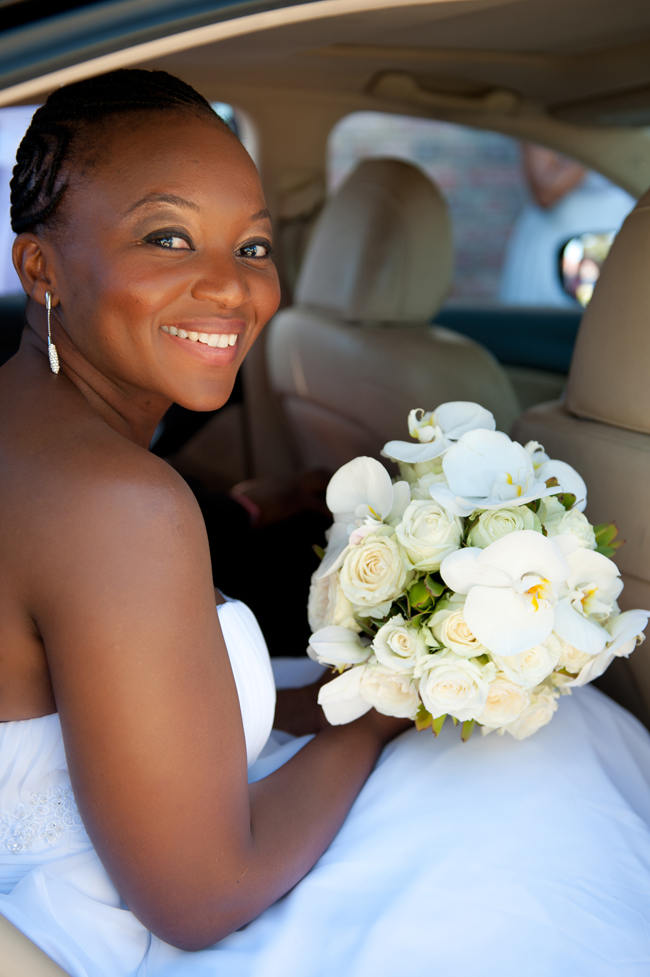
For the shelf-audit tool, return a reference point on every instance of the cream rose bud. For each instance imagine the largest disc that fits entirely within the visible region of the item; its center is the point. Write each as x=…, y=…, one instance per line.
x=389, y=692
x=450, y=629
x=327, y=604
x=456, y=686
x=571, y=659
x=505, y=702
x=398, y=645
x=427, y=534
x=532, y=666
x=492, y=524
x=557, y=522
x=538, y=713
x=373, y=573
x=421, y=488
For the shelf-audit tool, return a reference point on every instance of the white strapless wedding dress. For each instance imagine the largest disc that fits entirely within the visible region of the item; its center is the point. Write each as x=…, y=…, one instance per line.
x=494, y=857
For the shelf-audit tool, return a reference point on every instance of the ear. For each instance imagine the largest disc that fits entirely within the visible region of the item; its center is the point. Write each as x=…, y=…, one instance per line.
x=35, y=267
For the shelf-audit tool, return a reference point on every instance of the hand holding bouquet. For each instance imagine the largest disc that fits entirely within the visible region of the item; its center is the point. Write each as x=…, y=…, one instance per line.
x=472, y=587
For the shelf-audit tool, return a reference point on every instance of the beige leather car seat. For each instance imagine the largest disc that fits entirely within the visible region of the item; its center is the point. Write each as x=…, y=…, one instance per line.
x=356, y=351
x=19, y=957
x=602, y=427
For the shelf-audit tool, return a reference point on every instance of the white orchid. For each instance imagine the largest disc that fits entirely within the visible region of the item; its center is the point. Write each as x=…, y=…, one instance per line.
x=335, y=645
x=434, y=431
x=512, y=589
x=341, y=699
x=485, y=469
x=626, y=632
x=591, y=588
x=567, y=478
x=360, y=492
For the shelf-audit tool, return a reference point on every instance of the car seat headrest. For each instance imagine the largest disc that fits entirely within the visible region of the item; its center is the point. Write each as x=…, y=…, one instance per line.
x=609, y=380
x=381, y=249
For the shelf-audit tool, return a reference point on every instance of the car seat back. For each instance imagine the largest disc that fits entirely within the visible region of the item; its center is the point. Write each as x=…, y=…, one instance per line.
x=357, y=350
x=603, y=427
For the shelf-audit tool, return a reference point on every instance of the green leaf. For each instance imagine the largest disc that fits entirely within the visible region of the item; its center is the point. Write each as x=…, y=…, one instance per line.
x=423, y=718
x=567, y=499
x=319, y=551
x=435, y=587
x=438, y=723
x=551, y=482
x=606, y=542
x=419, y=596
x=467, y=729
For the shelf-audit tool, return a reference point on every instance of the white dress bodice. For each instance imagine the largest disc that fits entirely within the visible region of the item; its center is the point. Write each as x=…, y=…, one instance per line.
x=38, y=812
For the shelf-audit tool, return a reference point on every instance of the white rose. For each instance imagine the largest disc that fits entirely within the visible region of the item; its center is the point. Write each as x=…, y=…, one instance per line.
x=373, y=574
x=538, y=713
x=398, y=645
x=328, y=604
x=492, y=524
x=557, y=521
x=456, y=686
x=571, y=659
x=450, y=629
x=530, y=667
x=420, y=488
x=505, y=702
x=427, y=534
x=389, y=692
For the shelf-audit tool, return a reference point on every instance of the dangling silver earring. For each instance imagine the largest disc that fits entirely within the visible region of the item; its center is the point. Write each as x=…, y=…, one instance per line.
x=52, y=354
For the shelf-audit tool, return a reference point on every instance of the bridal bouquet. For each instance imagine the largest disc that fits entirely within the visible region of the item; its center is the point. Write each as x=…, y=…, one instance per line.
x=471, y=587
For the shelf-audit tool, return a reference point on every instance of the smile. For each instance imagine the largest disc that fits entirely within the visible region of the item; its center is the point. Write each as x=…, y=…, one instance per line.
x=216, y=340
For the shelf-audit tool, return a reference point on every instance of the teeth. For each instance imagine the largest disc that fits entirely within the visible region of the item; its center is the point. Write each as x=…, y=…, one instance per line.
x=216, y=340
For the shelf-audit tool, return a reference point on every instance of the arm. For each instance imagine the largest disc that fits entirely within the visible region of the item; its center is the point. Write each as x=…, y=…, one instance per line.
x=550, y=176
x=152, y=726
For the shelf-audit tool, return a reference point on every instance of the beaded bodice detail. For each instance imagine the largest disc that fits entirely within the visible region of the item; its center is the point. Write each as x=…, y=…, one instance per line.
x=41, y=820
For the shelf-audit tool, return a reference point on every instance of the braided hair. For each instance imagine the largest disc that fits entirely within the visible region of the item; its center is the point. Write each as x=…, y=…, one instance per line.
x=37, y=184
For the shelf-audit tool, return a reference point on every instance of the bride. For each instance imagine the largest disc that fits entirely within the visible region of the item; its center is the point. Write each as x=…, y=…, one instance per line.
x=131, y=831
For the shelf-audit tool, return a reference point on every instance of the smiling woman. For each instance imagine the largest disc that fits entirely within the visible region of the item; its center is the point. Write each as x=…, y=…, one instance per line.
x=193, y=257
x=130, y=709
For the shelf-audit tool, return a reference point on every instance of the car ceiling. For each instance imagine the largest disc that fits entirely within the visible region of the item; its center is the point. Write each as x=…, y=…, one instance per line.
x=560, y=55
x=530, y=67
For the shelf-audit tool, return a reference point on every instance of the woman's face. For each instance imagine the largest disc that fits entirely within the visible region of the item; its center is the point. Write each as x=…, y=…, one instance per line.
x=163, y=266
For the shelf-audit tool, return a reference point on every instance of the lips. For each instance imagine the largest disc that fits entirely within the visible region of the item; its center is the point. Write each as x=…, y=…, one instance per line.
x=216, y=340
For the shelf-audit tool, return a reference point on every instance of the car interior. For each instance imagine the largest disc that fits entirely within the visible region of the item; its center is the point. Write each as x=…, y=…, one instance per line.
x=365, y=332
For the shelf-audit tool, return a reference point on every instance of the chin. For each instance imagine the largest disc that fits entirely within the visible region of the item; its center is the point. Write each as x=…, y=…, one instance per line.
x=212, y=398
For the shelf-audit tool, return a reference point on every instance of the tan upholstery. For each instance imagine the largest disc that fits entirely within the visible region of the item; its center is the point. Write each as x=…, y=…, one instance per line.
x=356, y=352
x=603, y=427
x=19, y=957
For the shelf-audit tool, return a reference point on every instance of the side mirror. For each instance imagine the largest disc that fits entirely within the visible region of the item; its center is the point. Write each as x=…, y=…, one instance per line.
x=579, y=262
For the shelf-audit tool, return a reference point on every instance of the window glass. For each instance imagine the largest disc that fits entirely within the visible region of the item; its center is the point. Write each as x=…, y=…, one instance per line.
x=13, y=123
x=508, y=227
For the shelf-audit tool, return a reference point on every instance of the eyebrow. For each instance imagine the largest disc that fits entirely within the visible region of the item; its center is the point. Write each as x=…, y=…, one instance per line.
x=161, y=198
x=172, y=198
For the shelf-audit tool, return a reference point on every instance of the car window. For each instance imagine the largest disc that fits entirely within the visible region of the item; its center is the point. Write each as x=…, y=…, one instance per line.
x=508, y=234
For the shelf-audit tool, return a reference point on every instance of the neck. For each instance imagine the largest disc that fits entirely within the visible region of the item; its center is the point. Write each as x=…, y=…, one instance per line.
x=133, y=413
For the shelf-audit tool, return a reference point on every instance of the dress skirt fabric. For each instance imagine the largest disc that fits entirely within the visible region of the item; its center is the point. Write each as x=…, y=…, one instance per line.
x=492, y=857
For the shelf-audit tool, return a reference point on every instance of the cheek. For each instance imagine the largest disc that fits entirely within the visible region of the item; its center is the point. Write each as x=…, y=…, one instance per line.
x=267, y=298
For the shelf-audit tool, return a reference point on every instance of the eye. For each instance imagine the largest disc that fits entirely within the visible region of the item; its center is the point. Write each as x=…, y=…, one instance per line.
x=170, y=239
x=256, y=250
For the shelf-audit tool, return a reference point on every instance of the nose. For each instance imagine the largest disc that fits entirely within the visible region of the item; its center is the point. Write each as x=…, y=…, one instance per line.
x=221, y=280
